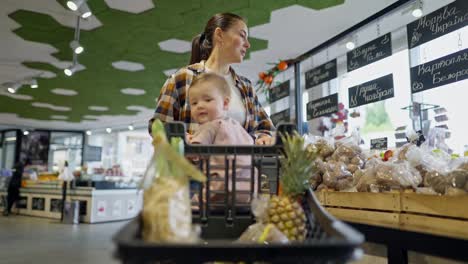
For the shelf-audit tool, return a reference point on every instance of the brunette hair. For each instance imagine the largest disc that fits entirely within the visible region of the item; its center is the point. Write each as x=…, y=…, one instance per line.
x=217, y=81
x=202, y=44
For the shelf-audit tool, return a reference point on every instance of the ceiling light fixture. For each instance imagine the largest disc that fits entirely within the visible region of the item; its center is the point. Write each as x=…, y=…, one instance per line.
x=89, y=133
x=33, y=84
x=84, y=11
x=131, y=128
x=109, y=130
x=25, y=132
x=71, y=70
x=417, y=9
x=350, y=45
x=76, y=47
x=12, y=87
x=74, y=4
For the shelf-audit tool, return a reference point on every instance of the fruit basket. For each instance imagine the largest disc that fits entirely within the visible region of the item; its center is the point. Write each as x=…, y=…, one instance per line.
x=327, y=239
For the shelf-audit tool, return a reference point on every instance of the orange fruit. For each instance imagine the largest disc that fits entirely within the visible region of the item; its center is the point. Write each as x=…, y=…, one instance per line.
x=282, y=66
x=268, y=79
x=262, y=75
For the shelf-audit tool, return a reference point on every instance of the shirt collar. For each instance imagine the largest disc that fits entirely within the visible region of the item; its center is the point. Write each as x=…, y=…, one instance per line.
x=200, y=68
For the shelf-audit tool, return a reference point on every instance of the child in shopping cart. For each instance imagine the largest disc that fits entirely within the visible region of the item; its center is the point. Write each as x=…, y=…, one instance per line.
x=209, y=97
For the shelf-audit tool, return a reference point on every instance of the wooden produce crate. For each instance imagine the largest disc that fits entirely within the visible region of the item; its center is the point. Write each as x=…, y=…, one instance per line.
x=433, y=214
x=381, y=209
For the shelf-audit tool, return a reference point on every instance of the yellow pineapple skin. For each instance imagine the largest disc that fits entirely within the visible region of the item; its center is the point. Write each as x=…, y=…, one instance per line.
x=288, y=216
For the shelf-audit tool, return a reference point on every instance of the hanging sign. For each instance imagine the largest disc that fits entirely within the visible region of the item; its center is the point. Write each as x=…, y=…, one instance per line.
x=379, y=143
x=438, y=23
x=371, y=92
x=370, y=52
x=320, y=74
x=322, y=107
x=280, y=91
x=449, y=69
x=283, y=116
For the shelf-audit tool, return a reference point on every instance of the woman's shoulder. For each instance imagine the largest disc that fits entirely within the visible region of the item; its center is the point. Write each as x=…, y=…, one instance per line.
x=188, y=71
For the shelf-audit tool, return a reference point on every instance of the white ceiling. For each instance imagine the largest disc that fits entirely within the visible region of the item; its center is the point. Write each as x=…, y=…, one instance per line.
x=291, y=31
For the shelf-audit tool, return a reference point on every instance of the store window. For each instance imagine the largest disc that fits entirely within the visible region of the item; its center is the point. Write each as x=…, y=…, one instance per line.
x=378, y=119
x=8, y=149
x=444, y=105
x=65, y=146
x=123, y=153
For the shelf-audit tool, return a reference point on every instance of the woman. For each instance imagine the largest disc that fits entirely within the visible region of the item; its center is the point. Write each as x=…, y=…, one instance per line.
x=13, y=194
x=222, y=43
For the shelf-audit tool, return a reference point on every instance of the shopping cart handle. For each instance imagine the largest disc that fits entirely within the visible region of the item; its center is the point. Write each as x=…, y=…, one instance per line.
x=177, y=129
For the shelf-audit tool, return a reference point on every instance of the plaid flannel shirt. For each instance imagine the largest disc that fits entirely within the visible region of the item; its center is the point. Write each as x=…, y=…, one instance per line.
x=172, y=104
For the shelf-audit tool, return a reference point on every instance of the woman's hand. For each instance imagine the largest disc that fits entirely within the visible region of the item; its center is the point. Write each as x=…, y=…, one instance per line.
x=265, y=140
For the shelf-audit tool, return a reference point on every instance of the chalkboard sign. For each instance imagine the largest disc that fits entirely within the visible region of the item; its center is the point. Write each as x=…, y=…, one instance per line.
x=322, y=107
x=438, y=23
x=321, y=74
x=92, y=153
x=280, y=91
x=283, y=116
x=370, y=52
x=442, y=71
x=379, y=143
x=372, y=91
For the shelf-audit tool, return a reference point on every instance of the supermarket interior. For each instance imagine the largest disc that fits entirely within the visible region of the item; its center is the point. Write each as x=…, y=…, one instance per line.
x=220, y=131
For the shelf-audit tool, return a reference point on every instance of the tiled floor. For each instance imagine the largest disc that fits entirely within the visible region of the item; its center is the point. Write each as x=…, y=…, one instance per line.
x=38, y=240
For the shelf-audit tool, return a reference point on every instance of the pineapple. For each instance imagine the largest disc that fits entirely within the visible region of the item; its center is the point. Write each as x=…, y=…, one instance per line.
x=284, y=210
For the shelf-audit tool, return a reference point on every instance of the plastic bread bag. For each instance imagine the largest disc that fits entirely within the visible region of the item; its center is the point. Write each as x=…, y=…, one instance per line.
x=337, y=176
x=166, y=214
x=260, y=232
x=323, y=147
x=263, y=234
x=348, y=152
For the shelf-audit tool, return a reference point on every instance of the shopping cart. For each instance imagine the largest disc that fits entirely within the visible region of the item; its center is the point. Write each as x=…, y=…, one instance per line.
x=328, y=240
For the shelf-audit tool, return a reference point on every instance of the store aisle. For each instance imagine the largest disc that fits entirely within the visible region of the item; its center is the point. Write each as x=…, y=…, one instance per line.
x=38, y=240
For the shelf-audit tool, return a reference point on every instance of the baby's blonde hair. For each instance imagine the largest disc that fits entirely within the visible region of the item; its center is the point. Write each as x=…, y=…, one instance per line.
x=214, y=79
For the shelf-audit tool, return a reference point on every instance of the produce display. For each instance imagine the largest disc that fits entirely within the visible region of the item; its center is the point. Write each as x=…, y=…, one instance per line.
x=428, y=168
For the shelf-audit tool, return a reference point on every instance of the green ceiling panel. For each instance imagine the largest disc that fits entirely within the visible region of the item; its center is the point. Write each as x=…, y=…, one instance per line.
x=320, y=4
x=124, y=36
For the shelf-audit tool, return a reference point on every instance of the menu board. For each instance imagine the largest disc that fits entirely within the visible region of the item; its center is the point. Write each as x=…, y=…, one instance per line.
x=438, y=23
x=322, y=107
x=370, y=52
x=448, y=69
x=372, y=91
x=321, y=74
x=283, y=116
x=280, y=91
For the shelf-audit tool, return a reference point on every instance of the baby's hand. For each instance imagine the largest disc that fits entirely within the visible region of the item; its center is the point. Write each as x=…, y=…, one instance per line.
x=265, y=140
x=188, y=137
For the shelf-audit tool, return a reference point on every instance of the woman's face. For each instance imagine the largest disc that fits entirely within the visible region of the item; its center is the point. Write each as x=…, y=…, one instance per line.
x=234, y=42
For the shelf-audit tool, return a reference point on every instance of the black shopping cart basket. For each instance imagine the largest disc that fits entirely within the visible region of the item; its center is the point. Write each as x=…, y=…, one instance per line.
x=223, y=220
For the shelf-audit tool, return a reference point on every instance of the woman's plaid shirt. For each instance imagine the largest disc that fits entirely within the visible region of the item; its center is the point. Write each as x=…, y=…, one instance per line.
x=172, y=104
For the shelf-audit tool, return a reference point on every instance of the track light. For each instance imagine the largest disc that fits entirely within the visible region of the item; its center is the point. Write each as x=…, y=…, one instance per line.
x=71, y=70
x=25, y=132
x=109, y=130
x=33, y=84
x=84, y=11
x=76, y=47
x=88, y=132
x=12, y=87
x=417, y=12
x=350, y=45
x=74, y=4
